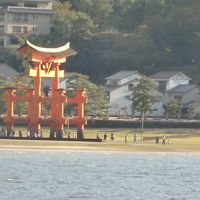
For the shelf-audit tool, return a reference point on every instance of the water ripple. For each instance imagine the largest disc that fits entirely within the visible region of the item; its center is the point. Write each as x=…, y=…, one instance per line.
x=98, y=176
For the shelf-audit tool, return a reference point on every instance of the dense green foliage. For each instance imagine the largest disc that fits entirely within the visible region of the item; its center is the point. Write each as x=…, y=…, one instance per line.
x=143, y=35
x=192, y=111
x=144, y=96
x=173, y=108
x=97, y=103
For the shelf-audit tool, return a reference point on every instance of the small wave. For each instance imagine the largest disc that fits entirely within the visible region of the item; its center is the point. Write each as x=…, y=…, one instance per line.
x=137, y=176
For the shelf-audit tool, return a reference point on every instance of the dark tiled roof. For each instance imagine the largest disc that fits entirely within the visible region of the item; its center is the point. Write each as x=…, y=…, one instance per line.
x=120, y=75
x=6, y=70
x=165, y=75
x=182, y=89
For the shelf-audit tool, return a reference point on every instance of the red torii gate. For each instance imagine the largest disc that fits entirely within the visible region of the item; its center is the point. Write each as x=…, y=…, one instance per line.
x=47, y=62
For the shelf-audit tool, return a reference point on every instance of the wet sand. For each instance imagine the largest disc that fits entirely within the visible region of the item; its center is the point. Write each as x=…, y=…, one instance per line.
x=162, y=150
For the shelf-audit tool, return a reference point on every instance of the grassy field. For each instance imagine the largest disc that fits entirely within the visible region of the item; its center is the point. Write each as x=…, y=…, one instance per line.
x=181, y=140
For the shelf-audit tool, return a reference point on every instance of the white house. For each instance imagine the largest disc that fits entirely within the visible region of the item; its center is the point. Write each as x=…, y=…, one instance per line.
x=166, y=80
x=186, y=95
x=118, y=88
x=175, y=85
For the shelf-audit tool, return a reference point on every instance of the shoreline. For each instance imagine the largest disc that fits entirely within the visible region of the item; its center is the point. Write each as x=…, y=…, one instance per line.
x=87, y=149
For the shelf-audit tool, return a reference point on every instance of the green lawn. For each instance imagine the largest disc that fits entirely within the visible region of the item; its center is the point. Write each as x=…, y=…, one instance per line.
x=181, y=140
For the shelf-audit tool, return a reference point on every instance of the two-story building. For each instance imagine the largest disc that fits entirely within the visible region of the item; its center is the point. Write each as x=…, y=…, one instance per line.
x=166, y=80
x=118, y=89
x=176, y=85
x=169, y=85
x=24, y=17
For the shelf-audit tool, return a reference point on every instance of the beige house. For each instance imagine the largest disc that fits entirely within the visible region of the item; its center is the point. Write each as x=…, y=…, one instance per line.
x=24, y=17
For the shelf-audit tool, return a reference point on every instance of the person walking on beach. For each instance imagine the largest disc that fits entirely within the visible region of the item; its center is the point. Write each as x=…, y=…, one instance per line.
x=135, y=138
x=98, y=138
x=20, y=133
x=164, y=140
x=126, y=138
x=105, y=137
x=157, y=140
x=112, y=137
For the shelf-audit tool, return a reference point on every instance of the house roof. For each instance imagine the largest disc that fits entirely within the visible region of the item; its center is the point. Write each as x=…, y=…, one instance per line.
x=120, y=75
x=182, y=89
x=6, y=70
x=166, y=75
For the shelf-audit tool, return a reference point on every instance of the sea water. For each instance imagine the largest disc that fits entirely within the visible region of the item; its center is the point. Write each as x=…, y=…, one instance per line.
x=99, y=176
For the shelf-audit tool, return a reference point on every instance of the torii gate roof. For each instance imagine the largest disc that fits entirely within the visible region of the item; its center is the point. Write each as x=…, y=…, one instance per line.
x=38, y=54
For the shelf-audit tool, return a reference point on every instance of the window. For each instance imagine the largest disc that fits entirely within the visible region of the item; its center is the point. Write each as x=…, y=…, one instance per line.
x=1, y=28
x=14, y=40
x=25, y=29
x=25, y=17
x=130, y=87
x=34, y=17
x=1, y=17
x=16, y=29
x=107, y=95
x=1, y=42
x=27, y=4
x=162, y=86
x=127, y=97
x=113, y=82
x=178, y=98
x=34, y=28
x=17, y=17
x=51, y=19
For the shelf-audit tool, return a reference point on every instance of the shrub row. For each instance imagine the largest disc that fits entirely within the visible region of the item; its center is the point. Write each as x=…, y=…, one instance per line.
x=97, y=123
x=93, y=123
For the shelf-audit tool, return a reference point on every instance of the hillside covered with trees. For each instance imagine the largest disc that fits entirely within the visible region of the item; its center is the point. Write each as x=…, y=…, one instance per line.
x=113, y=35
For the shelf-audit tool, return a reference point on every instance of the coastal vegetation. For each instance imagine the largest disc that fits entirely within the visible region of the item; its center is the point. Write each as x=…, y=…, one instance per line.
x=111, y=35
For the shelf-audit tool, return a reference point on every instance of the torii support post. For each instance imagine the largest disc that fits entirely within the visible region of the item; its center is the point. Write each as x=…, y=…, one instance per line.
x=10, y=109
x=34, y=112
x=82, y=99
x=57, y=116
x=35, y=103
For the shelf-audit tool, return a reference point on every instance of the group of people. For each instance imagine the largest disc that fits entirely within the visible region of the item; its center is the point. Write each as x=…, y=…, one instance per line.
x=4, y=132
x=32, y=133
x=112, y=137
x=134, y=138
x=164, y=140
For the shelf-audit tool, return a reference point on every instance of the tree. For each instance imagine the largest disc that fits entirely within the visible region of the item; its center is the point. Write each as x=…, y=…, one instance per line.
x=192, y=111
x=71, y=25
x=173, y=108
x=97, y=105
x=14, y=59
x=99, y=11
x=143, y=97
